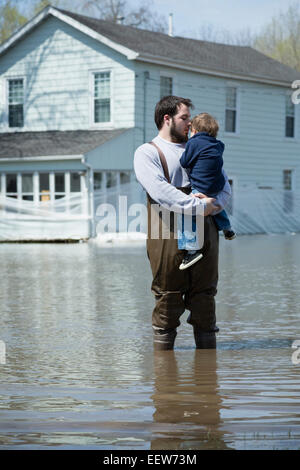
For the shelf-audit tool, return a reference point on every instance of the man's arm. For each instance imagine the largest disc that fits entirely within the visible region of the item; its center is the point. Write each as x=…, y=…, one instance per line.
x=221, y=198
x=149, y=174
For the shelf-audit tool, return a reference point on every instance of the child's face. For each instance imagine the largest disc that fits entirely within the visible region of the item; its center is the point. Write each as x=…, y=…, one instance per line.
x=193, y=131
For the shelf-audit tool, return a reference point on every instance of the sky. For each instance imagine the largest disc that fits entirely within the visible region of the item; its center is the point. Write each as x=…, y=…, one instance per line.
x=230, y=15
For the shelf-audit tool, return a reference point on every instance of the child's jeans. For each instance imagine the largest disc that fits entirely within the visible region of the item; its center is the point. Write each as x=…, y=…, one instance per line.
x=187, y=235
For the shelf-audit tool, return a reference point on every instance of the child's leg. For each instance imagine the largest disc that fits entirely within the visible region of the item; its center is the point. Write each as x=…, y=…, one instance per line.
x=222, y=221
x=186, y=233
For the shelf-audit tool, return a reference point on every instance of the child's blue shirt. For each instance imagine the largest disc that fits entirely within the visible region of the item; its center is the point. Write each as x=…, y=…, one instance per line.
x=203, y=156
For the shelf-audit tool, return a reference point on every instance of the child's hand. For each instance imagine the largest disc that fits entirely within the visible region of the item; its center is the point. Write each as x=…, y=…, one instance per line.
x=200, y=195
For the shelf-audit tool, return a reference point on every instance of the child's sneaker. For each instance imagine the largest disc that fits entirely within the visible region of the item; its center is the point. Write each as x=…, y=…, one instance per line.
x=229, y=234
x=190, y=259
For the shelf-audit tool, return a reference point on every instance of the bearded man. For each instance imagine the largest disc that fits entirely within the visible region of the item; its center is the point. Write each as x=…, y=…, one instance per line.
x=158, y=170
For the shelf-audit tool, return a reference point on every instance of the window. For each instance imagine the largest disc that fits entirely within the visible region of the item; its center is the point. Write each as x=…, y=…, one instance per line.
x=16, y=102
x=289, y=117
x=229, y=207
x=102, y=104
x=97, y=181
x=11, y=185
x=287, y=180
x=75, y=182
x=44, y=192
x=27, y=186
x=111, y=179
x=166, y=86
x=288, y=197
x=231, y=109
x=124, y=177
x=59, y=185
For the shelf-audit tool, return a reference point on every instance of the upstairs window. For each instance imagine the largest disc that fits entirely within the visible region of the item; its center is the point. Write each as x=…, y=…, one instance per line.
x=289, y=117
x=288, y=180
x=166, y=86
x=16, y=102
x=288, y=196
x=231, y=109
x=102, y=100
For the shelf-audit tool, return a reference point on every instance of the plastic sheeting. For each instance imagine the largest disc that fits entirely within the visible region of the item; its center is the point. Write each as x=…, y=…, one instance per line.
x=62, y=219
x=265, y=211
x=123, y=209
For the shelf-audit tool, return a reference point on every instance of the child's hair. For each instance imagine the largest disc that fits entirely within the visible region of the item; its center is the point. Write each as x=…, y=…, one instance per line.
x=204, y=122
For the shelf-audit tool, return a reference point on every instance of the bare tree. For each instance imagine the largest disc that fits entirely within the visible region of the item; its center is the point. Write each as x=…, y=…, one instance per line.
x=120, y=11
x=209, y=33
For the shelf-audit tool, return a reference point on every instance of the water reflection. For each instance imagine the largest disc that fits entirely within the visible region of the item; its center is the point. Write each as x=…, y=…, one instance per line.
x=187, y=402
x=80, y=369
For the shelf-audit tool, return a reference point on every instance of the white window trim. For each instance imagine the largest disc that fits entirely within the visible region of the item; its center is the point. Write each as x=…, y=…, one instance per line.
x=7, y=78
x=296, y=120
x=238, y=109
x=101, y=125
x=174, y=81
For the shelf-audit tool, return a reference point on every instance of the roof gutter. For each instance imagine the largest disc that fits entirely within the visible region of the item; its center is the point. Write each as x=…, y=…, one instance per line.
x=179, y=65
x=41, y=158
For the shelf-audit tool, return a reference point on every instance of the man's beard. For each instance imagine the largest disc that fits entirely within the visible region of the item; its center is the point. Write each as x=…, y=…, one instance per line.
x=176, y=136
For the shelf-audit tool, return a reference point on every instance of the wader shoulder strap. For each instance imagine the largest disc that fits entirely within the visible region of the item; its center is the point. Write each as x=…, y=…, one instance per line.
x=163, y=161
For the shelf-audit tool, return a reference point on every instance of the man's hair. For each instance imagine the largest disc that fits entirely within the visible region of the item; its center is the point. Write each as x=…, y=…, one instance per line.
x=169, y=105
x=204, y=122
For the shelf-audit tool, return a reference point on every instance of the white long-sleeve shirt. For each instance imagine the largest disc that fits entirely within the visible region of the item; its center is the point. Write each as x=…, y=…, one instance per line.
x=150, y=175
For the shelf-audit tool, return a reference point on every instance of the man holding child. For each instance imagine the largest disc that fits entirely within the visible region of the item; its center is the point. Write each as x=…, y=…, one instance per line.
x=158, y=170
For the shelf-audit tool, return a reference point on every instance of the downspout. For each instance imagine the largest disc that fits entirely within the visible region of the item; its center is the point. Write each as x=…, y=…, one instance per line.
x=146, y=77
x=91, y=196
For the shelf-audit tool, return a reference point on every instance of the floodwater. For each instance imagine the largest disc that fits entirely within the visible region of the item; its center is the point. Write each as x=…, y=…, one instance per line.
x=80, y=371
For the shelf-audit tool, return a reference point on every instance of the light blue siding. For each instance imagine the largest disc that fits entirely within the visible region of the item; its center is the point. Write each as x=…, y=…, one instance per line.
x=259, y=152
x=116, y=154
x=57, y=62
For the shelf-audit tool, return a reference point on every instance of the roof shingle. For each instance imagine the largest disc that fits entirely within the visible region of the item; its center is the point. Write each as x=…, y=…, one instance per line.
x=53, y=143
x=243, y=60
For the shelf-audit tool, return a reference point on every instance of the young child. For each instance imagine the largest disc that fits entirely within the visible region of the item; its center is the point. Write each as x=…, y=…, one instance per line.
x=203, y=158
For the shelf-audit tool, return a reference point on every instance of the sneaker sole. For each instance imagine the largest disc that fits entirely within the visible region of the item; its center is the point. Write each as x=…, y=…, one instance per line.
x=230, y=238
x=185, y=266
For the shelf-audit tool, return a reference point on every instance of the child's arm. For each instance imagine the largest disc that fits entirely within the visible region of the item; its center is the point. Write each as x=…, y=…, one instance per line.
x=186, y=157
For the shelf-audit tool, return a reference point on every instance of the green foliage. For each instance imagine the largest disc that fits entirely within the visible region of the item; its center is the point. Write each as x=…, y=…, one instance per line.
x=280, y=39
x=10, y=19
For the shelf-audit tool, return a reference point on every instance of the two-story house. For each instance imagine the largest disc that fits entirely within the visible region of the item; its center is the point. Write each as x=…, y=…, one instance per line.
x=77, y=96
